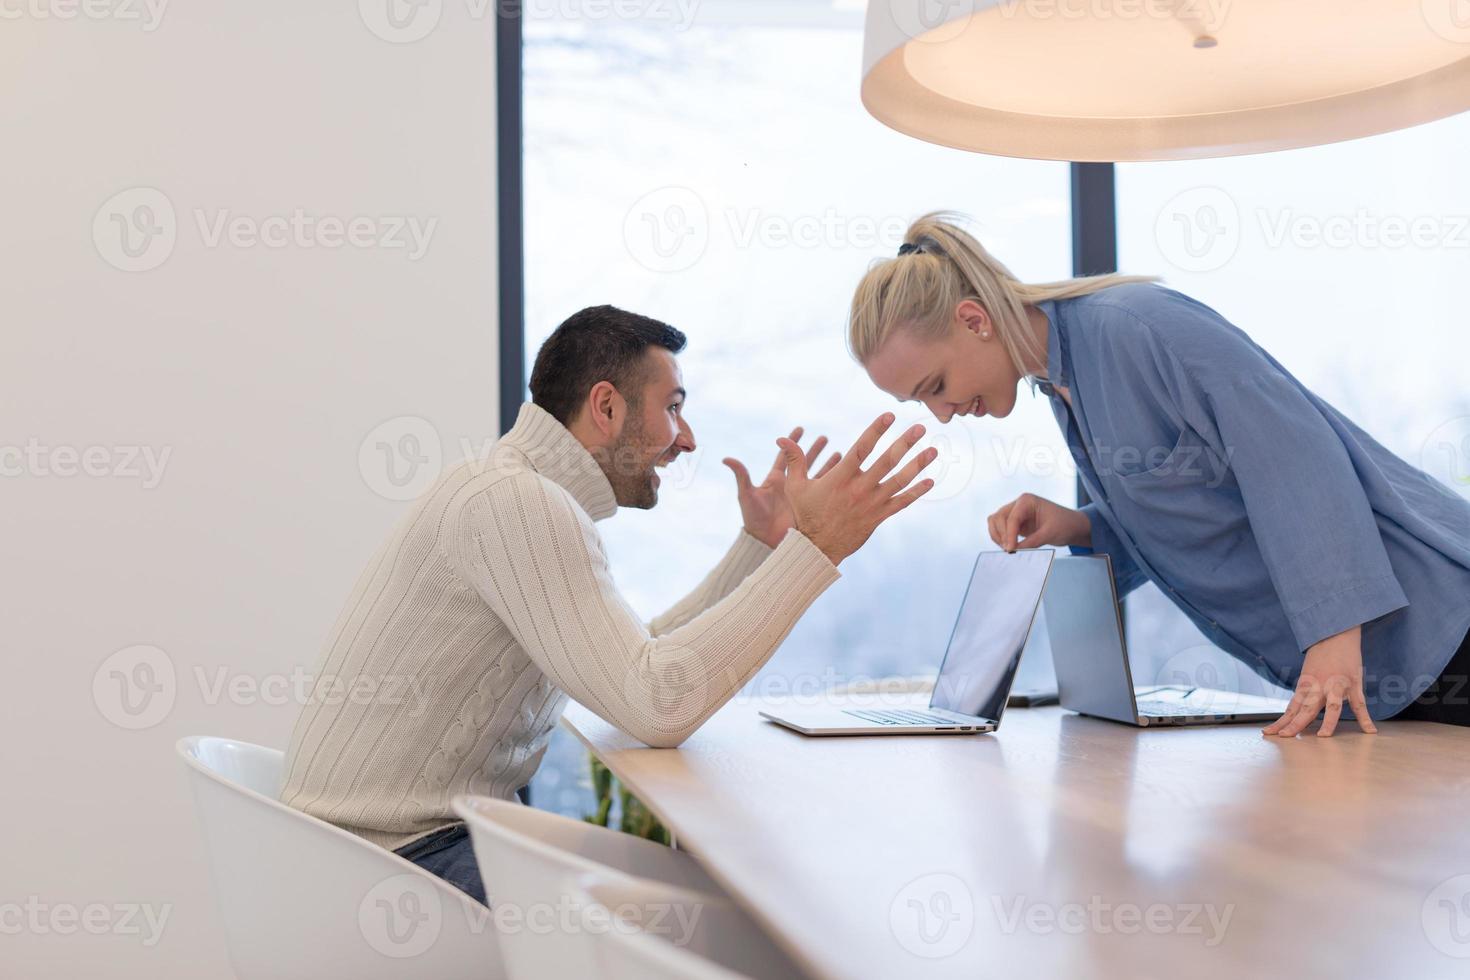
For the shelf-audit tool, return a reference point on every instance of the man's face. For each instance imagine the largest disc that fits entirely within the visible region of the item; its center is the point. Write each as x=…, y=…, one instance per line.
x=653, y=435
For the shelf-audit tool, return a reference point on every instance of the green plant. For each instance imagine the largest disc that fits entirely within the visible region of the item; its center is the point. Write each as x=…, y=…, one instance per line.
x=634, y=817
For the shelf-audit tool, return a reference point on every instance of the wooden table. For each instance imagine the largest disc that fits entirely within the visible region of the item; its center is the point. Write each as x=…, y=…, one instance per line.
x=1064, y=846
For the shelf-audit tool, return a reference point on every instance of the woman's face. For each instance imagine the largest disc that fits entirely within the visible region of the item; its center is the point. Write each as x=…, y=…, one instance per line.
x=966, y=372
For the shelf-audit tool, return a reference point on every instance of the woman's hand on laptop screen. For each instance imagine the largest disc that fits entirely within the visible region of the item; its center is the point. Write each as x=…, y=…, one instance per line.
x=1030, y=521
x=839, y=508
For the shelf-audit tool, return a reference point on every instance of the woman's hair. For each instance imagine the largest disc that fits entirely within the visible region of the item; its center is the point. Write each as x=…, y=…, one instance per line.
x=939, y=265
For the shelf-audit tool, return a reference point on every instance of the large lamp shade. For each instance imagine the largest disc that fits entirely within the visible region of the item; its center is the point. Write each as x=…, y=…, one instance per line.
x=1099, y=80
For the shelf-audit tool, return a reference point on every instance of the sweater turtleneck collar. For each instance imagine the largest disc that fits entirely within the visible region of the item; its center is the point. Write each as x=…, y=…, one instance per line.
x=555, y=453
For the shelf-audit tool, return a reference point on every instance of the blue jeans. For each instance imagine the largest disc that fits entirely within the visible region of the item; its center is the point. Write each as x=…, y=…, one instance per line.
x=447, y=853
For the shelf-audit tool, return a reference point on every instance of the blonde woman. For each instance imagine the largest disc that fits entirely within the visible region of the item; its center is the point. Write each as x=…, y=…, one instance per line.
x=1287, y=534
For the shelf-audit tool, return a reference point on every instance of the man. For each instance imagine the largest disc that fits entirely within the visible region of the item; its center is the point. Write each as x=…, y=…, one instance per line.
x=495, y=599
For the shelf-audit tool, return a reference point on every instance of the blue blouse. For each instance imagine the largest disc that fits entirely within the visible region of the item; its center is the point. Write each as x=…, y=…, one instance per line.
x=1267, y=516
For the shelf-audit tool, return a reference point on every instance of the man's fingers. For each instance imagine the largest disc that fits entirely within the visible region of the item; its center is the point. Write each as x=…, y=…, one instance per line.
x=1359, y=704
x=864, y=446
x=901, y=501
x=832, y=461
x=794, y=460
x=742, y=475
x=779, y=466
x=815, y=453
x=894, y=454
x=905, y=476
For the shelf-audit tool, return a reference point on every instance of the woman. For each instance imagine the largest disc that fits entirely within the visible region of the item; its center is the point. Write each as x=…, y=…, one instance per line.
x=1289, y=536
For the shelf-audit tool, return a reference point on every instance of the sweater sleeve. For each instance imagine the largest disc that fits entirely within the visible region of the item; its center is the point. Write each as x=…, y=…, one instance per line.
x=744, y=557
x=536, y=559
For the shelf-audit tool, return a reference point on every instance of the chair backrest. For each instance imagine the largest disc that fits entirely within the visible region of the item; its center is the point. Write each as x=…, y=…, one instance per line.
x=642, y=930
x=527, y=857
x=303, y=898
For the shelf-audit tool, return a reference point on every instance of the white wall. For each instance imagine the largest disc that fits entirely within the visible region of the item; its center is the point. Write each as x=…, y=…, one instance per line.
x=259, y=371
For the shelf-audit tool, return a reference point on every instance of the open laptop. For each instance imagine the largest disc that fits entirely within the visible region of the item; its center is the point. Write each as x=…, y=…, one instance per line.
x=1091, y=658
x=974, y=681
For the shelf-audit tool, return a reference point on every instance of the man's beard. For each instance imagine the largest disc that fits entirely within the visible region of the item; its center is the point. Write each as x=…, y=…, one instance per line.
x=629, y=466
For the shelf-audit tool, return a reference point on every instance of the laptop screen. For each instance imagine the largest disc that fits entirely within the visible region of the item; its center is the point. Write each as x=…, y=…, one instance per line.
x=990, y=632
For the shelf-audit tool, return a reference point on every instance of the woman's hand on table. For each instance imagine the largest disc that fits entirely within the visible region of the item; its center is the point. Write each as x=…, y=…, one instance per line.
x=1331, y=674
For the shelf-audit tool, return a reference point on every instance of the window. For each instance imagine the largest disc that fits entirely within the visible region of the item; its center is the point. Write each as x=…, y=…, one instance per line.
x=1347, y=262
x=724, y=177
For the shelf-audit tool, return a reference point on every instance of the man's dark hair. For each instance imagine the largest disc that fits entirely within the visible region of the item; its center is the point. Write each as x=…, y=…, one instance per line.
x=600, y=343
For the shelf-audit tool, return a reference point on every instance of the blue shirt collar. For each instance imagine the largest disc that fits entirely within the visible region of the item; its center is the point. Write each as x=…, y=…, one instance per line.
x=1056, y=347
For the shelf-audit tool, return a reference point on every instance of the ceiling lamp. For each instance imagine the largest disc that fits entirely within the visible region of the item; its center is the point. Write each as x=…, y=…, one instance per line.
x=1100, y=80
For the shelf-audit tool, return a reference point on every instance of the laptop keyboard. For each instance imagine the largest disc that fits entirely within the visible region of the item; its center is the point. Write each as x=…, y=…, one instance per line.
x=1169, y=709
x=900, y=716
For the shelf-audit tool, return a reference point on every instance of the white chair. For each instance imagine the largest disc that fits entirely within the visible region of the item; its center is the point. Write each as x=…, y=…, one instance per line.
x=529, y=860
x=643, y=930
x=302, y=898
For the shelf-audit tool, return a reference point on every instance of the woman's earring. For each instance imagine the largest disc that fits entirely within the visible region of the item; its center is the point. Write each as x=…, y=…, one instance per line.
x=986, y=335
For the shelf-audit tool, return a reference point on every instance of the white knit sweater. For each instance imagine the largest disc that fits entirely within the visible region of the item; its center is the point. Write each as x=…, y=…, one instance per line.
x=490, y=604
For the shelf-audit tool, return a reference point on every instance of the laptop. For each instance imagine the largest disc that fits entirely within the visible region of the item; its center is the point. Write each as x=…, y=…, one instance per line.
x=1091, y=658
x=995, y=618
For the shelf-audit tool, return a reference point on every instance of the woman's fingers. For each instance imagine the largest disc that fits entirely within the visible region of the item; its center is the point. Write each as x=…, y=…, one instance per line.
x=1333, y=710
x=1305, y=712
x=1296, y=700
x=996, y=524
x=1359, y=704
x=1018, y=520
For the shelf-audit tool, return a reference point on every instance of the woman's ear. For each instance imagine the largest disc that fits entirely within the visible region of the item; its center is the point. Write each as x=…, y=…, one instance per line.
x=972, y=316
